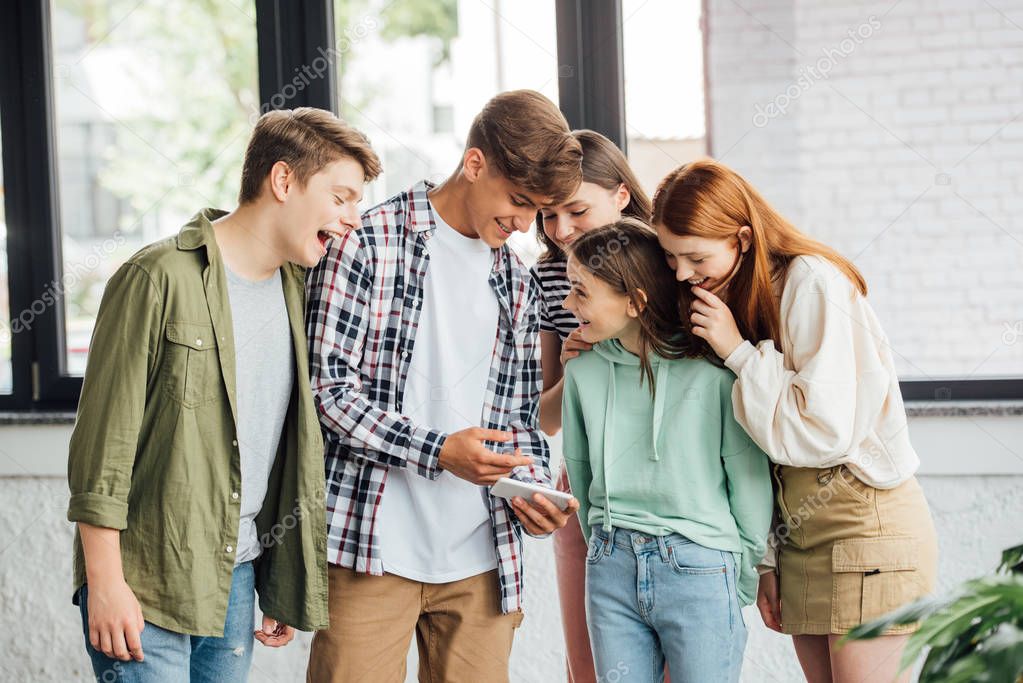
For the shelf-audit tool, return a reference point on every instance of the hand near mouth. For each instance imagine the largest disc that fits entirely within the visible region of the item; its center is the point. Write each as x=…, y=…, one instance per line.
x=713, y=320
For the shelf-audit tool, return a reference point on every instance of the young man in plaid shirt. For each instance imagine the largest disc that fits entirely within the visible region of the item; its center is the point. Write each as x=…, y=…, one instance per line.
x=423, y=328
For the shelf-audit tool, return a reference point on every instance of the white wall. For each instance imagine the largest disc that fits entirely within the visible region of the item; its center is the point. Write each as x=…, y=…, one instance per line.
x=970, y=476
x=896, y=135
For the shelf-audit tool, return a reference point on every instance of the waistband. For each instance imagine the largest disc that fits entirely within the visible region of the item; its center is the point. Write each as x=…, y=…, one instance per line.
x=640, y=542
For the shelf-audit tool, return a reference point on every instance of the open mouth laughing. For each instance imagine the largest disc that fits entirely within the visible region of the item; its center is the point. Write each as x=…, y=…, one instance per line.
x=702, y=282
x=325, y=236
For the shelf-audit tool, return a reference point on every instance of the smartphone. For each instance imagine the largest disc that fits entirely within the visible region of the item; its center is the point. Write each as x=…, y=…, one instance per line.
x=508, y=488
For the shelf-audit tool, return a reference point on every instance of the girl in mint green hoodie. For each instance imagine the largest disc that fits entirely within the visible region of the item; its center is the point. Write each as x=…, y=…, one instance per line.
x=675, y=498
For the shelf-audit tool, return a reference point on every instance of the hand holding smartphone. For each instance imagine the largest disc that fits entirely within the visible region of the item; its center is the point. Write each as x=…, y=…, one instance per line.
x=509, y=488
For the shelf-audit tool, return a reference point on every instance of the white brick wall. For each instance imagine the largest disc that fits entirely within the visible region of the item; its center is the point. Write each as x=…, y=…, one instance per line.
x=907, y=157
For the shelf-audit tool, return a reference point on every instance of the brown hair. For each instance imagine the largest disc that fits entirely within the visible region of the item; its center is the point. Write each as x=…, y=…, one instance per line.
x=526, y=139
x=307, y=140
x=627, y=256
x=707, y=199
x=606, y=166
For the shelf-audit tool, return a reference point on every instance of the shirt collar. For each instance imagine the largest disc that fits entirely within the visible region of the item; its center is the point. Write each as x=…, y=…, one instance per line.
x=420, y=208
x=198, y=231
x=421, y=218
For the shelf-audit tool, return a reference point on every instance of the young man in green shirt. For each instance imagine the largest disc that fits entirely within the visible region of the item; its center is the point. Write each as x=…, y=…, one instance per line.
x=196, y=462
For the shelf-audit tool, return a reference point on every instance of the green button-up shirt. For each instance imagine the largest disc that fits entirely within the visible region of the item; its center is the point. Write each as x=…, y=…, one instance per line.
x=154, y=451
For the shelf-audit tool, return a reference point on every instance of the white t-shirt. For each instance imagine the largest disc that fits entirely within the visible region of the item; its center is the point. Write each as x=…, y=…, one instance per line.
x=437, y=531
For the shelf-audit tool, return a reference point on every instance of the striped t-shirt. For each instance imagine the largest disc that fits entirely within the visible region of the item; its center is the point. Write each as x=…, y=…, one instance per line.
x=553, y=279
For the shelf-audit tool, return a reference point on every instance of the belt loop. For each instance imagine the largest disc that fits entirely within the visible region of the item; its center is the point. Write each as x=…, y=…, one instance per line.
x=610, y=542
x=663, y=548
x=824, y=477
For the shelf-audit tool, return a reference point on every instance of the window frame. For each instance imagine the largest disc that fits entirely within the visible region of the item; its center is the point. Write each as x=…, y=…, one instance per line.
x=28, y=191
x=591, y=65
x=288, y=35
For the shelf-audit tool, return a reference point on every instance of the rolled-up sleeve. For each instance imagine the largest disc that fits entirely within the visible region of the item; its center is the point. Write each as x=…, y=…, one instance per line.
x=106, y=434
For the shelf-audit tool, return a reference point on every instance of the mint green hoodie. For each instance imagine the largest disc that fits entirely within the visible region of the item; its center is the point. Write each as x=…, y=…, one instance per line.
x=677, y=462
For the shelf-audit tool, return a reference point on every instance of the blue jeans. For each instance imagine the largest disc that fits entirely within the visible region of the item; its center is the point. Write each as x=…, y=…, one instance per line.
x=170, y=656
x=651, y=599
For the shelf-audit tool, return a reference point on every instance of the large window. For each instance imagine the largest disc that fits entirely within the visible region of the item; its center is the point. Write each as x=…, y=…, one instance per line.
x=153, y=105
x=121, y=119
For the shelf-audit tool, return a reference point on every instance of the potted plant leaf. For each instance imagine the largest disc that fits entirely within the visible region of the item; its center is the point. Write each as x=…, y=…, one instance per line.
x=973, y=635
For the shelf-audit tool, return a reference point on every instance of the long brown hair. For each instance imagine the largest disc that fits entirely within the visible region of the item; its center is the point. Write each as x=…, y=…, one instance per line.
x=705, y=198
x=606, y=166
x=627, y=256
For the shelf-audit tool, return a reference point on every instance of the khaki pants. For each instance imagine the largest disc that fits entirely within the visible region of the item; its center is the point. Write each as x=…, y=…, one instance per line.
x=460, y=630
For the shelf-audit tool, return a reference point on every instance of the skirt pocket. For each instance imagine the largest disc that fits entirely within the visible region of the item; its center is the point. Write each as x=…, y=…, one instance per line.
x=871, y=577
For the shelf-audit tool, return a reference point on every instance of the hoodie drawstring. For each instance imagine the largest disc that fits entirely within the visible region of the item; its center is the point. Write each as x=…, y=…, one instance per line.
x=662, y=378
x=609, y=430
x=609, y=435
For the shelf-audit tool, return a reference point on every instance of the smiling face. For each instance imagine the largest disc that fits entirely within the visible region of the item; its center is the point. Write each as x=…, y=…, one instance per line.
x=324, y=209
x=590, y=207
x=701, y=261
x=495, y=206
x=602, y=312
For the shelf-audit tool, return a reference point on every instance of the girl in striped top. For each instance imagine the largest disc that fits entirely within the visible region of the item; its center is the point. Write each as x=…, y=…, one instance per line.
x=609, y=191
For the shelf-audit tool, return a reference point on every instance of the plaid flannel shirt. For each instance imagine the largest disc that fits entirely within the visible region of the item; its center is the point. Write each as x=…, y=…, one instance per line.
x=364, y=301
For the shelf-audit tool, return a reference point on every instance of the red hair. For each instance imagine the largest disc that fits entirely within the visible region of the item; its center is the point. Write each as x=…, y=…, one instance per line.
x=708, y=199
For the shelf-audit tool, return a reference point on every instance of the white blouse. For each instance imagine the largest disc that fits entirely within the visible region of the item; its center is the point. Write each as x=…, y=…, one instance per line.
x=830, y=396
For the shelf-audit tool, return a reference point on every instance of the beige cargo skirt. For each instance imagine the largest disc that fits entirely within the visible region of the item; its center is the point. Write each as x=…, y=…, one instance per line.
x=849, y=552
